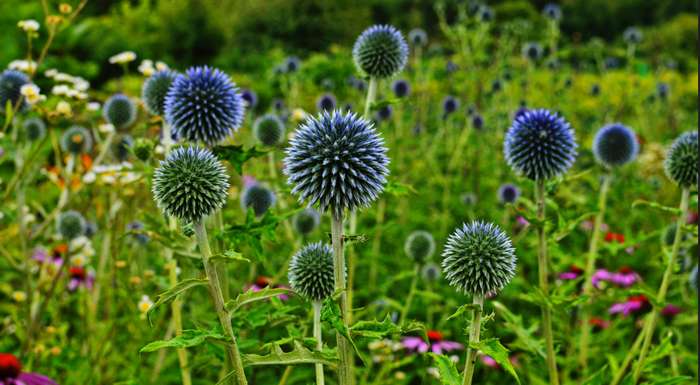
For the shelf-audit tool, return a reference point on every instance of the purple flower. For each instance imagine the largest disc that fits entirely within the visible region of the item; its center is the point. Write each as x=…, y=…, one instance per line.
x=11, y=373
x=573, y=273
x=634, y=304
x=435, y=344
x=625, y=277
x=41, y=255
x=521, y=221
x=670, y=311
x=264, y=282
x=80, y=277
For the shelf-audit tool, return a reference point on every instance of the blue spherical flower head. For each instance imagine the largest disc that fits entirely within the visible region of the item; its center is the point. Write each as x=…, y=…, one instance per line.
x=292, y=64
x=70, y=224
x=485, y=14
x=540, y=145
x=417, y=37
x=380, y=51
x=269, y=130
x=552, y=11
x=11, y=82
x=250, y=98
x=326, y=102
x=479, y=259
x=190, y=184
x=311, y=272
x=155, y=89
x=34, y=129
x=508, y=193
x=449, y=105
x=401, y=88
x=662, y=90
x=120, y=111
x=532, y=51
x=204, y=105
x=257, y=197
x=419, y=246
x=681, y=162
x=477, y=121
x=76, y=140
x=632, y=35
x=384, y=113
x=336, y=161
x=615, y=145
x=306, y=221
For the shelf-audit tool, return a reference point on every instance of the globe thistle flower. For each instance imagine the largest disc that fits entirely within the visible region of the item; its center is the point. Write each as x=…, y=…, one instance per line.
x=250, y=98
x=471, y=109
x=662, y=90
x=34, y=129
x=496, y=85
x=204, y=106
x=485, y=14
x=278, y=105
x=610, y=63
x=76, y=140
x=479, y=259
x=417, y=37
x=121, y=148
x=11, y=82
x=615, y=145
x=380, y=51
x=552, y=63
x=450, y=104
x=120, y=111
x=269, y=130
x=326, y=102
x=401, y=88
x=311, y=272
x=190, y=184
x=135, y=228
x=384, y=113
x=508, y=193
x=70, y=225
x=143, y=149
x=477, y=121
x=532, y=51
x=451, y=67
x=155, y=89
x=337, y=161
x=632, y=35
x=257, y=197
x=540, y=145
x=306, y=221
x=595, y=90
x=681, y=163
x=419, y=246
x=292, y=64
x=552, y=11
x=430, y=272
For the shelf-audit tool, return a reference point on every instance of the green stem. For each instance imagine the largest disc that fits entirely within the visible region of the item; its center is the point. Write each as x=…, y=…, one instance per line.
x=411, y=293
x=376, y=245
x=371, y=96
x=218, y=298
x=474, y=334
x=590, y=266
x=344, y=349
x=628, y=359
x=543, y=261
x=319, y=340
x=665, y=282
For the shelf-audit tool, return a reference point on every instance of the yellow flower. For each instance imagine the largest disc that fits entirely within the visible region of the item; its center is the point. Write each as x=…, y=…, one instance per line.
x=31, y=93
x=39, y=348
x=146, y=67
x=55, y=351
x=28, y=66
x=51, y=329
x=160, y=66
x=148, y=274
x=135, y=280
x=28, y=25
x=54, y=19
x=63, y=108
x=19, y=296
x=123, y=57
x=65, y=8
x=145, y=304
x=298, y=115
x=120, y=264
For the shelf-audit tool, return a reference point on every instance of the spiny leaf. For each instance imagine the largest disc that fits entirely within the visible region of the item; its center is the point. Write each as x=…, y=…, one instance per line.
x=398, y=189
x=251, y=296
x=446, y=368
x=461, y=310
x=300, y=355
x=189, y=338
x=174, y=291
x=525, y=336
x=378, y=330
x=330, y=313
x=657, y=206
x=498, y=352
x=230, y=256
x=237, y=155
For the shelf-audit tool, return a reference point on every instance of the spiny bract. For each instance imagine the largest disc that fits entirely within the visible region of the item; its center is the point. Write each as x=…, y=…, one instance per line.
x=190, y=184
x=269, y=130
x=204, y=105
x=71, y=224
x=540, y=145
x=419, y=246
x=34, y=129
x=479, y=258
x=76, y=140
x=311, y=272
x=154, y=90
x=306, y=221
x=257, y=197
x=120, y=111
x=380, y=51
x=681, y=162
x=11, y=82
x=615, y=145
x=337, y=161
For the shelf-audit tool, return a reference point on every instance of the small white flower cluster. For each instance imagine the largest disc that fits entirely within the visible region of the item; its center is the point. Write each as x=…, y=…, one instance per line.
x=82, y=249
x=32, y=93
x=26, y=66
x=28, y=26
x=145, y=304
x=27, y=214
x=71, y=86
x=123, y=57
x=112, y=174
x=147, y=68
x=383, y=350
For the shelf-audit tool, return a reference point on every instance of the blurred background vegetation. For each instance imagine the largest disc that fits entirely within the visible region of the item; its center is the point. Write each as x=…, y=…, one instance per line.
x=241, y=35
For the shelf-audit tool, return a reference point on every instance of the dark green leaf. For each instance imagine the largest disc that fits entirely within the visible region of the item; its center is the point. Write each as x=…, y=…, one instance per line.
x=498, y=352
x=237, y=155
x=188, y=339
x=251, y=296
x=448, y=372
x=174, y=291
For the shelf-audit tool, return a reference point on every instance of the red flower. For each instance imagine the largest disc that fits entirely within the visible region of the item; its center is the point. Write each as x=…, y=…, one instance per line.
x=598, y=323
x=9, y=366
x=434, y=335
x=614, y=237
x=77, y=272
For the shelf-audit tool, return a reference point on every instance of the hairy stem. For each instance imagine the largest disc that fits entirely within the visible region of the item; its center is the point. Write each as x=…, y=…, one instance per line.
x=319, y=341
x=344, y=349
x=474, y=334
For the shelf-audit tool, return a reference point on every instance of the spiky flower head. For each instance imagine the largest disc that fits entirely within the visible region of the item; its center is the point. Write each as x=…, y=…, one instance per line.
x=479, y=259
x=477, y=121
x=430, y=272
x=121, y=148
x=540, y=145
x=269, y=130
x=76, y=140
x=250, y=98
x=614, y=145
x=120, y=111
x=11, y=82
x=384, y=113
x=485, y=14
x=417, y=37
x=155, y=89
x=204, y=105
x=532, y=51
x=662, y=90
x=71, y=224
x=306, y=221
x=681, y=162
x=419, y=246
x=496, y=85
x=595, y=90
x=401, y=88
x=326, y=102
x=190, y=184
x=632, y=35
x=34, y=129
x=508, y=193
x=311, y=272
x=292, y=64
x=380, y=51
x=257, y=197
x=143, y=149
x=552, y=11
x=338, y=161
x=450, y=104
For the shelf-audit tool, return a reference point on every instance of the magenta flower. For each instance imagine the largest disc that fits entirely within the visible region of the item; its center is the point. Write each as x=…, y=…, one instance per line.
x=573, y=273
x=625, y=277
x=521, y=222
x=634, y=304
x=11, y=373
x=490, y=362
x=435, y=344
x=249, y=180
x=263, y=282
x=670, y=311
x=80, y=277
x=41, y=255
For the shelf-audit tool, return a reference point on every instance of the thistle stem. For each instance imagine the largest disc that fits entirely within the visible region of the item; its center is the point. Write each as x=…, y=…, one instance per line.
x=474, y=334
x=218, y=298
x=319, y=341
x=411, y=294
x=344, y=350
x=626, y=362
x=650, y=323
x=590, y=266
x=542, y=261
x=371, y=96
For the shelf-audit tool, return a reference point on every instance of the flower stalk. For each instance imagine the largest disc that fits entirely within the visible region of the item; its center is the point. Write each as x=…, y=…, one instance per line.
x=344, y=349
x=474, y=334
x=319, y=340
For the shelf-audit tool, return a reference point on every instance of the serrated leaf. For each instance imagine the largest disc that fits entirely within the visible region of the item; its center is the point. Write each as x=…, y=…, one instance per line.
x=461, y=310
x=498, y=352
x=188, y=339
x=174, y=291
x=448, y=372
x=251, y=296
x=383, y=103
x=237, y=155
x=564, y=227
x=330, y=313
x=229, y=256
x=300, y=355
x=378, y=330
